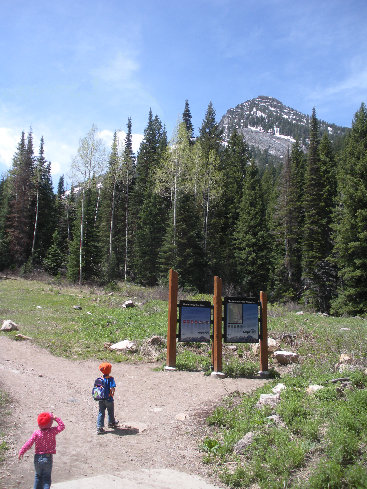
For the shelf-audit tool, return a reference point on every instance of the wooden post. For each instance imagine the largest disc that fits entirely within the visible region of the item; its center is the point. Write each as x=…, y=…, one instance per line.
x=172, y=319
x=217, y=340
x=264, y=341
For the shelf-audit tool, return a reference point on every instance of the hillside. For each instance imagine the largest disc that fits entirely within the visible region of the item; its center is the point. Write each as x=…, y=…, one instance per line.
x=269, y=125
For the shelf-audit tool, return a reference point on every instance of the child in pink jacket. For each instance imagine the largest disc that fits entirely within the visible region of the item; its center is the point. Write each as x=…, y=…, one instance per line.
x=45, y=446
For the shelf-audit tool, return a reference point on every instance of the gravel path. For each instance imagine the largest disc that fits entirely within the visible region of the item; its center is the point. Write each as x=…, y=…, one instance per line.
x=161, y=414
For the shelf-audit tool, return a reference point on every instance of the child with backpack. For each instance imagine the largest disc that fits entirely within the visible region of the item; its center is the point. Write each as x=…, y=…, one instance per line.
x=103, y=392
x=45, y=446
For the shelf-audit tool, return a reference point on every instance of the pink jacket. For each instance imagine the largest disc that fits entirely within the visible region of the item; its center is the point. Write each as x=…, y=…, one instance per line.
x=45, y=440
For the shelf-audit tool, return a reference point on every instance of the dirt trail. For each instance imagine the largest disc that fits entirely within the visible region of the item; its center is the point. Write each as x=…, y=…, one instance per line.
x=159, y=414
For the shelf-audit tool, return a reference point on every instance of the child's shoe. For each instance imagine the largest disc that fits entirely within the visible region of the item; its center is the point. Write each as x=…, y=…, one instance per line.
x=100, y=430
x=114, y=424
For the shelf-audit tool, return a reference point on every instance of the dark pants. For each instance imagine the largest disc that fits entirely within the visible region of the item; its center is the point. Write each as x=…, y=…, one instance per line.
x=103, y=405
x=43, y=467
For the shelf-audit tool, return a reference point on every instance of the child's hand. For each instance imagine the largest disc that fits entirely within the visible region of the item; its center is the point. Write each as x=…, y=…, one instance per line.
x=20, y=456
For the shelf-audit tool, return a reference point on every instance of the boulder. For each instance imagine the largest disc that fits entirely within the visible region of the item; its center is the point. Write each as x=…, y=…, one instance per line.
x=278, y=388
x=9, y=325
x=311, y=389
x=127, y=304
x=125, y=346
x=273, y=345
x=346, y=359
x=286, y=357
x=242, y=444
x=271, y=400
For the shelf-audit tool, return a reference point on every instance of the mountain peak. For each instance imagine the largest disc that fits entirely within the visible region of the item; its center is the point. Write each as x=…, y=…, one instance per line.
x=267, y=124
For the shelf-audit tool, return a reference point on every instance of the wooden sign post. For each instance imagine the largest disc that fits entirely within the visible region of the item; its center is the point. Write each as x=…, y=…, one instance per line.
x=217, y=339
x=264, y=337
x=172, y=319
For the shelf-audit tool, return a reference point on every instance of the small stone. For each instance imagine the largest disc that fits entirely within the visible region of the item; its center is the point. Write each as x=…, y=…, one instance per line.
x=9, y=325
x=242, y=444
x=77, y=308
x=125, y=346
x=286, y=357
x=311, y=389
x=278, y=388
x=271, y=400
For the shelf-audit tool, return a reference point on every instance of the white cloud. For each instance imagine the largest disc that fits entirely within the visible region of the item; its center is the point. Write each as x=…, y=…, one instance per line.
x=120, y=69
x=9, y=139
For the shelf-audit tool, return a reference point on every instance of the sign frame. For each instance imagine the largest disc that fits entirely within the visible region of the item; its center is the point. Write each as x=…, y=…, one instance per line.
x=185, y=314
x=247, y=333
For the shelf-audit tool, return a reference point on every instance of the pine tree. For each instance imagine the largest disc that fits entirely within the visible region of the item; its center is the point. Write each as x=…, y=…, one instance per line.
x=128, y=161
x=149, y=210
x=4, y=211
x=187, y=119
x=20, y=217
x=226, y=210
x=44, y=213
x=287, y=228
x=252, y=250
x=351, y=221
x=313, y=236
x=318, y=209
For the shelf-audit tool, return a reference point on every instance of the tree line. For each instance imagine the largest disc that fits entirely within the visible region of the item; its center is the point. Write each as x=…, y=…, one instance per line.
x=204, y=208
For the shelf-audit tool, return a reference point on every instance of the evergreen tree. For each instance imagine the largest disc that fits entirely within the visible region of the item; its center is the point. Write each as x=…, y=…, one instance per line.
x=251, y=241
x=187, y=119
x=128, y=161
x=288, y=225
x=226, y=209
x=313, y=236
x=44, y=214
x=4, y=211
x=210, y=136
x=149, y=209
x=20, y=217
x=318, y=208
x=351, y=221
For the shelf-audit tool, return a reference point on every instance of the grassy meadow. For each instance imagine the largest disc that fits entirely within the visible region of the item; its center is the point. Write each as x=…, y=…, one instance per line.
x=308, y=441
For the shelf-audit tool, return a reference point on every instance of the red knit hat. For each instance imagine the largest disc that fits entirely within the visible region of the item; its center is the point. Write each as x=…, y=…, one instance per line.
x=44, y=420
x=105, y=368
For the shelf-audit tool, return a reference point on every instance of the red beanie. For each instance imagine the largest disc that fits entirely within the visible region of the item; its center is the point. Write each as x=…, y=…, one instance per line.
x=44, y=420
x=105, y=368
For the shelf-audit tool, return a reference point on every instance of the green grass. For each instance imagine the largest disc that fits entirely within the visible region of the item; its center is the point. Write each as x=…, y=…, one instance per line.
x=46, y=313
x=321, y=442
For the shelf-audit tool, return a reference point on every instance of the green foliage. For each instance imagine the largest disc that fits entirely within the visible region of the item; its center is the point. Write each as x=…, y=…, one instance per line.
x=251, y=236
x=351, y=220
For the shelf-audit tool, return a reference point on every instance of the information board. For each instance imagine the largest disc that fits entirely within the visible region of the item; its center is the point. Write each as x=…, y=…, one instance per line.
x=194, y=321
x=241, y=320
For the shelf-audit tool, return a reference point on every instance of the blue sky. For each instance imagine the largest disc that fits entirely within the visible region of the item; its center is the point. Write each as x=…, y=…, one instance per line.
x=67, y=65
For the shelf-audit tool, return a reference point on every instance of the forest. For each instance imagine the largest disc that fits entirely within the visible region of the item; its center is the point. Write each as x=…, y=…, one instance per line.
x=297, y=230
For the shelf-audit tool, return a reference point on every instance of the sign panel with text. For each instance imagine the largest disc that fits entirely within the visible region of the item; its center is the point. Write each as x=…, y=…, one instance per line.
x=241, y=320
x=194, y=321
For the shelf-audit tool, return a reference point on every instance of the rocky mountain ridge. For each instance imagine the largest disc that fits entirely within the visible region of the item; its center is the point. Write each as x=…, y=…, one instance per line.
x=269, y=125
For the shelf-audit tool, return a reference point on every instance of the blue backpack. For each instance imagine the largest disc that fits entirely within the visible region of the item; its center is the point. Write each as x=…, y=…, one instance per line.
x=100, y=390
